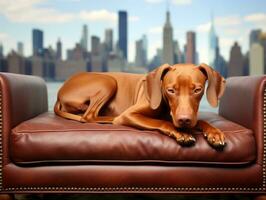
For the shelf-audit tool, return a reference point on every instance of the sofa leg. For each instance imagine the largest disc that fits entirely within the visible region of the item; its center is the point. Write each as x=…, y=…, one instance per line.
x=7, y=197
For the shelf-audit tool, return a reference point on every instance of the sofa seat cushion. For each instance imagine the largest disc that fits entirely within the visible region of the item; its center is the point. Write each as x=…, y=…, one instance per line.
x=48, y=138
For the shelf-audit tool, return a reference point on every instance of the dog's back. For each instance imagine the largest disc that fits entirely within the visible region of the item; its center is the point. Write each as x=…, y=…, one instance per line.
x=86, y=93
x=127, y=93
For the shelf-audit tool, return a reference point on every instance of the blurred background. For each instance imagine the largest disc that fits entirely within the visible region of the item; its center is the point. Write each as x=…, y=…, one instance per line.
x=55, y=38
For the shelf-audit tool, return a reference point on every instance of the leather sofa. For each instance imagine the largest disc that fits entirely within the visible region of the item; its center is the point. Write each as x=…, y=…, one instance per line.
x=41, y=152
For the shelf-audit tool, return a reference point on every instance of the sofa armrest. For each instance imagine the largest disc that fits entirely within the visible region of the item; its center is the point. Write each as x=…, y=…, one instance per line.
x=23, y=97
x=244, y=102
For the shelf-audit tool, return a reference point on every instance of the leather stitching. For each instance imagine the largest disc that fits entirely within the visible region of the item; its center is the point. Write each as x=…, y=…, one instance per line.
x=139, y=189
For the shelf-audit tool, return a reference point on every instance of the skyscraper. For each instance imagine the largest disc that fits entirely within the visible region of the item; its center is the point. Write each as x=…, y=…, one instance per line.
x=191, y=47
x=59, y=49
x=37, y=42
x=95, y=45
x=20, y=48
x=84, y=38
x=122, y=32
x=236, y=61
x=213, y=44
x=109, y=39
x=1, y=50
x=263, y=43
x=220, y=64
x=254, y=37
x=168, y=49
x=96, y=57
x=256, y=60
x=139, y=53
x=178, y=57
x=145, y=49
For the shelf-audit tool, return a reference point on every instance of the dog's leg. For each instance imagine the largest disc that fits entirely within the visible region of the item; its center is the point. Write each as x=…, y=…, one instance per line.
x=214, y=136
x=98, y=101
x=138, y=118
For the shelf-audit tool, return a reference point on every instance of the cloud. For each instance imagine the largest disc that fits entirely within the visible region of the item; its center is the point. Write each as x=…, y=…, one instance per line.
x=155, y=30
x=232, y=20
x=181, y=2
x=98, y=16
x=204, y=27
x=224, y=22
x=226, y=42
x=256, y=17
x=28, y=11
x=3, y=36
x=103, y=16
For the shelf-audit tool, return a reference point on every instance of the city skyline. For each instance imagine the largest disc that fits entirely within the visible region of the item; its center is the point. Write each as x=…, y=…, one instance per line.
x=148, y=19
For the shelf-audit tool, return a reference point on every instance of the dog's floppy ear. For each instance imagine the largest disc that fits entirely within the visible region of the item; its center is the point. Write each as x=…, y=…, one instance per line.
x=153, y=84
x=216, y=84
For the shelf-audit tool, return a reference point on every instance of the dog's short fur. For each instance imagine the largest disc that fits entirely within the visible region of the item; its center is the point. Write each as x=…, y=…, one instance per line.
x=145, y=101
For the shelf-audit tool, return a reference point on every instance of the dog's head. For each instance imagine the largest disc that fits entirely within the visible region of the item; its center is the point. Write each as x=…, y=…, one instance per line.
x=182, y=86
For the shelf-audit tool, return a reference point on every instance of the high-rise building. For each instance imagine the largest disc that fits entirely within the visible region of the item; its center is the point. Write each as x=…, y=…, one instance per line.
x=58, y=49
x=263, y=43
x=156, y=60
x=122, y=32
x=178, y=57
x=145, y=49
x=20, y=48
x=246, y=64
x=254, y=37
x=168, y=48
x=213, y=44
x=77, y=53
x=109, y=39
x=256, y=60
x=236, y=61
x=15, y=63
x=191, y=56
x=139, y=53
x=96, y=57
x=1, y=50
x=220, y=64
x=115, y=63
x=37, y=42
x=95, y=45
x=84, y=38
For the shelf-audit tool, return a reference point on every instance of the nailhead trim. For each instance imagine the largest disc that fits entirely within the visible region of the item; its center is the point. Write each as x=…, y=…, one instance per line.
x=142, y=189
x=264, y=142
x=1, y=135
x=132, y=189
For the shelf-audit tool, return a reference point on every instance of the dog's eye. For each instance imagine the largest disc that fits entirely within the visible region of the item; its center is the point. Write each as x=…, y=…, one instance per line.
x=197, y=90
x=171, y=90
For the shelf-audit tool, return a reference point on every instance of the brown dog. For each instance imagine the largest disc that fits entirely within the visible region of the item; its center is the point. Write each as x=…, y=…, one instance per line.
x=142, y=101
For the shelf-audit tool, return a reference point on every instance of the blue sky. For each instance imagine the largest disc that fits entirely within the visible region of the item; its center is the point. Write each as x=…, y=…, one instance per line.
x=64, y=18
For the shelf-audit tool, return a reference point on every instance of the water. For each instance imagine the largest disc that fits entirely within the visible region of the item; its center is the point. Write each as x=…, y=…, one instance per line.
x=53, y=87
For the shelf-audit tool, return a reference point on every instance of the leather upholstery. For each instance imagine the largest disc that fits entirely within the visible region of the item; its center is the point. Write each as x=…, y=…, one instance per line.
x=242, y=104
x=49, y=138
x=22, y=97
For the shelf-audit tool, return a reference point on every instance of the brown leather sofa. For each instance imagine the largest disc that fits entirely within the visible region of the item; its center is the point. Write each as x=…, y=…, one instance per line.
x=41, y=152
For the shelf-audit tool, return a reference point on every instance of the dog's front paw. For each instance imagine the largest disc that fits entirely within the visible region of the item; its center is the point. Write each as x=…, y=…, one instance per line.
x=185, y=139
x=215, y=138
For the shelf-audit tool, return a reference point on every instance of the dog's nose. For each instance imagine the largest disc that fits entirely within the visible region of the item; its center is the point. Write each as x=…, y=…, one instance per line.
x=184, y=121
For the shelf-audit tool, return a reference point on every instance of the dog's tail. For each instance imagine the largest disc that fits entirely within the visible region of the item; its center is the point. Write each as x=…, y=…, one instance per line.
x=58, y=111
